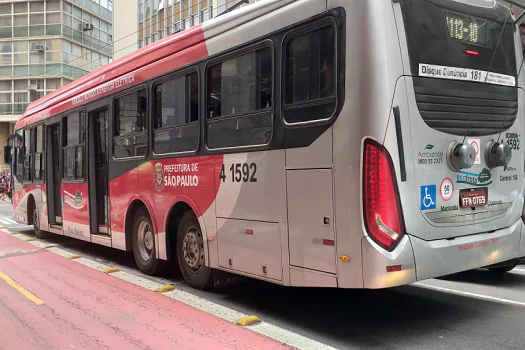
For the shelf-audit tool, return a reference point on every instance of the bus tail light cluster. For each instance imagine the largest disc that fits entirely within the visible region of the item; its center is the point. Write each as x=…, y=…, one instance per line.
x=382, y=207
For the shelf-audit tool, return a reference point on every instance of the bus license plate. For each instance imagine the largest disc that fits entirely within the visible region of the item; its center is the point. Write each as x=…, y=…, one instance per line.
x=473, y=197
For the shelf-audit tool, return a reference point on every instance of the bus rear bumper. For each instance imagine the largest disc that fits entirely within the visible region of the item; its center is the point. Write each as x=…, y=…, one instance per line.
x=382, y=269
x=415, y=259
x=444, y=257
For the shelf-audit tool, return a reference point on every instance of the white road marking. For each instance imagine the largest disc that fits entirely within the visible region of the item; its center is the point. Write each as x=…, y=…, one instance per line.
x=268, y=330
x=518, y=269
x=468, y=294
x=7, y=221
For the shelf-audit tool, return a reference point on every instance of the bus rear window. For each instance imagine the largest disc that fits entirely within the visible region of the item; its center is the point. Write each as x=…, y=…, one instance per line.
x=448, y=33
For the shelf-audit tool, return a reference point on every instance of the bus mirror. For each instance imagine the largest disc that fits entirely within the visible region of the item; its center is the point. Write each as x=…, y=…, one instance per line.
x=7, y=154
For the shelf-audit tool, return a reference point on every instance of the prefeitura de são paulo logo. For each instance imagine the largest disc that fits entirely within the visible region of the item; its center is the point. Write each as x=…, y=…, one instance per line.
x=158, y=177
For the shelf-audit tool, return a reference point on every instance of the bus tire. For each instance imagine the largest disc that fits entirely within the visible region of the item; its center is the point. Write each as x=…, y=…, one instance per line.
x=36, y=224
x=144, y=249
x=502, y=269
x=190, y=253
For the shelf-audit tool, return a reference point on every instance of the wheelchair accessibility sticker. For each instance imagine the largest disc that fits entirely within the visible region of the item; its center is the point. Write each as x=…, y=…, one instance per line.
x=428, y=197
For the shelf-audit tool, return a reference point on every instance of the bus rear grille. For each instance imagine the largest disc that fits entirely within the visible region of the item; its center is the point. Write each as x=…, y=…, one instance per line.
x=452, y=106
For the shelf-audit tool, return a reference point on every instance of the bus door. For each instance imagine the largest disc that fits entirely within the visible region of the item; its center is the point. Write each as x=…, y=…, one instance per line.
x=53, y=178
x=98, y=171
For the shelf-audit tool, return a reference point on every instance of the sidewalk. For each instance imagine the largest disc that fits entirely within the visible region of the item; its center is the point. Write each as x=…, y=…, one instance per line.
x=49, y=302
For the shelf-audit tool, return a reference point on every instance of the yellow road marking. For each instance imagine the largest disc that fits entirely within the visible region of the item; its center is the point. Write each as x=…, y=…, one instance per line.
x=248, y=320
x=164, y=289
x=21, y=289
x=111, y=270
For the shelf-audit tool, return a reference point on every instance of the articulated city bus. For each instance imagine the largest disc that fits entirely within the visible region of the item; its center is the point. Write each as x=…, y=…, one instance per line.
x=337, y=143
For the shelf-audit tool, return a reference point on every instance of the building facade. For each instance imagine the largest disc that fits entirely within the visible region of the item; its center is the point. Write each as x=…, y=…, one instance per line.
x=47, y=44
x=156, y=19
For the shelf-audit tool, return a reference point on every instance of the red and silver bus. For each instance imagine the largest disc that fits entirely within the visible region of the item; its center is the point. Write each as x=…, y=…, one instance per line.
x=334, y=143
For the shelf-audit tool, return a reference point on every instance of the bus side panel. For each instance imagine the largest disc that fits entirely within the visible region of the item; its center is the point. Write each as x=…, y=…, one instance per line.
x=250, y=204
x=42, y=208
x=259, y=200
x=122, y=190
x=75, y=211
x=166, y=182
x=20, y=196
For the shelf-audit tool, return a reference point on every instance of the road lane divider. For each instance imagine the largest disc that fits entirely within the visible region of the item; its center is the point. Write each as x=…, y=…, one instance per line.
x=21, y=289
x=469, y=294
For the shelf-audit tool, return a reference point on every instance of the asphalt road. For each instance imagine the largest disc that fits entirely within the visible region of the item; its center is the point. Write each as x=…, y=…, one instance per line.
x=474, y=310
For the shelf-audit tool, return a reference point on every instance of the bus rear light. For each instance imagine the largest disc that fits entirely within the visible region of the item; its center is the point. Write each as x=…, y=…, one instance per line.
x=382, y=208
x=471, y=52
x=393, y=268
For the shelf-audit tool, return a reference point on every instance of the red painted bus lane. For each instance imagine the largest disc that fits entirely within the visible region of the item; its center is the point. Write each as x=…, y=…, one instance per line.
x=86, y=309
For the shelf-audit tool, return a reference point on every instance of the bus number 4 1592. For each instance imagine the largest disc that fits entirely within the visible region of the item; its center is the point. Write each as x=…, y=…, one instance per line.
x=240, y=172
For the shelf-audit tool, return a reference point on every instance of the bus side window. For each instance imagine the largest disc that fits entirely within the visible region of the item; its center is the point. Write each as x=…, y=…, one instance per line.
x=19, y=155
x=239, y=100
x=74, y=146
x=39, y=153
x=131, y=111
x=28, y=153
x=310, y=71
x=176, y=115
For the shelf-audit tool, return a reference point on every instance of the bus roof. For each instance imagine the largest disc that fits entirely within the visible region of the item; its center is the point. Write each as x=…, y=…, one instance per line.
x=146, y=55
x=150, y=54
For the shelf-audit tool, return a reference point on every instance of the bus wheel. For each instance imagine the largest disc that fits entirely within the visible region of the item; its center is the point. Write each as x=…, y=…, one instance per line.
x=144, y=249
x=36, y=225
x=190, y=253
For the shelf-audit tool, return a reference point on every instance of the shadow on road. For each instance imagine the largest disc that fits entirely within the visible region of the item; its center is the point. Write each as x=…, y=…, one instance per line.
x=485, y=277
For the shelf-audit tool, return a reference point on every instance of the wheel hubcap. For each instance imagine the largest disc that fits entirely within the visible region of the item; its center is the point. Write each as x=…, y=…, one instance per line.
x=35, y=219
x=145, y=240
x=193, y=249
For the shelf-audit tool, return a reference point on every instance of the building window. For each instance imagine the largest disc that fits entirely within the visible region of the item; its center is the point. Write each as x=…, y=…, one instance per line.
x=53, y=5
x=310, y=75
x=20, y=7
x=5, y=9
x=176, y=114
x=74, y=146
x=130, y=139
x=39, y=153
x=28, y=155
x=240, y=100
x=36, y=6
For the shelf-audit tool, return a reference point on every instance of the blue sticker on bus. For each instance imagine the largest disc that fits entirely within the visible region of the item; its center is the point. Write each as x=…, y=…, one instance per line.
x=428, y=197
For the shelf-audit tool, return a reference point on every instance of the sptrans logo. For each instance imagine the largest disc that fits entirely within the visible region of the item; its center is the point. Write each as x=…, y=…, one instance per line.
x=159, y=177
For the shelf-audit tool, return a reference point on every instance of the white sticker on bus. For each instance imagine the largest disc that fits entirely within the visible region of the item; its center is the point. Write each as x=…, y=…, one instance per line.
x=476, y=144
x=465, y=74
